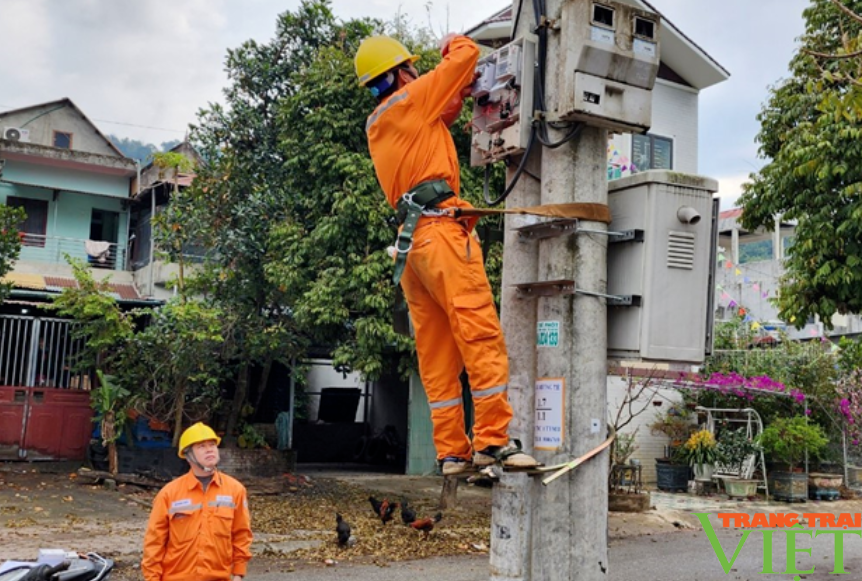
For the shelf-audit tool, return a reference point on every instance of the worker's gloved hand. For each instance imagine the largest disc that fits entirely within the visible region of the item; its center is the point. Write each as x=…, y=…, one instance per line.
x=468, y=90
x=444, y=43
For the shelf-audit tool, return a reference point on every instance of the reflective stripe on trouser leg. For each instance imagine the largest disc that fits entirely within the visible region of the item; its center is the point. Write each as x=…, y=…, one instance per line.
x=493, y=414
x=440, y=365
x=446, y=268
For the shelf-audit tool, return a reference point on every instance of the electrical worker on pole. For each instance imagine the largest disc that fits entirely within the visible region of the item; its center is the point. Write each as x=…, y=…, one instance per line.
x=438, y=261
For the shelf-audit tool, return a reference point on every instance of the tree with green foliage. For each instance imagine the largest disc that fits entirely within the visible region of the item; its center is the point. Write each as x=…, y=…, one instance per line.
x=105, y=328
x=10, y=243
x=176, y=362
x=811, y=136
x=289, y=204
x=106, y=332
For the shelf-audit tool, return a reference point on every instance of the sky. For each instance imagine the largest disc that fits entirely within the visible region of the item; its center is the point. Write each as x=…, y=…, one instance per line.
x=142, y=69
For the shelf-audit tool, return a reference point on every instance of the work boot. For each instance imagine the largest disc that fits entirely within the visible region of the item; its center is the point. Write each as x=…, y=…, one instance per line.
x=510, y=456
x=451, y=465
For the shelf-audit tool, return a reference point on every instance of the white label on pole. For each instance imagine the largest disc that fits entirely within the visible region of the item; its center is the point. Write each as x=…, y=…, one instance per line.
x=595, y=426
x=643, y=47
x=550, y=415
x=548, y=334
x=599, y=34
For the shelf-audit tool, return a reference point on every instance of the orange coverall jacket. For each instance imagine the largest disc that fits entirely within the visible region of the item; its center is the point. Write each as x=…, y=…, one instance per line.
x=194, y=535
x=444, y=281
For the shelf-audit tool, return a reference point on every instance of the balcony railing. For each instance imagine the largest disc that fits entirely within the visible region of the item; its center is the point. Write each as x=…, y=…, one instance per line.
x=38, y=248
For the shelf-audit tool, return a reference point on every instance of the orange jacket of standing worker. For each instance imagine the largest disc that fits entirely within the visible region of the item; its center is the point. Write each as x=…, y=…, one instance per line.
x=444, y=281
x=197, y=535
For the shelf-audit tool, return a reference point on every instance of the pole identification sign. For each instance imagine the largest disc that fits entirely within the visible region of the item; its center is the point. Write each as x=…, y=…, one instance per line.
x=550, y=413
x=548, y=334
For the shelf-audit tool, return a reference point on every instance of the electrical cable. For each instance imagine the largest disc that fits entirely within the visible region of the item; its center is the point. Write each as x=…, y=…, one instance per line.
x=523, y=163
x=539, y=126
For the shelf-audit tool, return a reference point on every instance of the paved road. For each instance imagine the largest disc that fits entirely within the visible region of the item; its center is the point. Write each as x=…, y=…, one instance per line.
x=684, y=555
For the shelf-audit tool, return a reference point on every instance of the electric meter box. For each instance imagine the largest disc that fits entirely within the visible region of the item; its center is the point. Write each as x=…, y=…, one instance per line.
x=503, y=102
x=616, y=56
x=666, y=263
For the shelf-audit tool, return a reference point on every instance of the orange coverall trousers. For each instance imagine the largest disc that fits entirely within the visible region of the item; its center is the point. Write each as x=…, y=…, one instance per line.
x=456, y=323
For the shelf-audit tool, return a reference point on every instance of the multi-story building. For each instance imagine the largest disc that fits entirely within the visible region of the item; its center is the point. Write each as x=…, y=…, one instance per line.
x=75, y=187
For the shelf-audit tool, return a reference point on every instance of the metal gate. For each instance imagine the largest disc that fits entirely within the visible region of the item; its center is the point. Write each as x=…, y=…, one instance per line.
x=44, y=405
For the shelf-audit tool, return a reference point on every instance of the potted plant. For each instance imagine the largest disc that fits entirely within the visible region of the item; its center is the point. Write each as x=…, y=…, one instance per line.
x=622, y=449
x=787, y=440
x=736, y=450
x=701, y=453
x=672, y=471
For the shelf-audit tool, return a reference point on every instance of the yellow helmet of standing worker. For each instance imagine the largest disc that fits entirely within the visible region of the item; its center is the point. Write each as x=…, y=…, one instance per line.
x=195, y=434
x=378, y=54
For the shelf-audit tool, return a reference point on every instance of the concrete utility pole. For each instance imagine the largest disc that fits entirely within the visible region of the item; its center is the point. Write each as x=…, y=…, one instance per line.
x=559, y=531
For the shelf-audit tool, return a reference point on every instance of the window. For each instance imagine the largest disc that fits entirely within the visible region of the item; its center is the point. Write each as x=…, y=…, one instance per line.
x=603, y=15
x=35, y=224
x=62, y=140
x=652, y=152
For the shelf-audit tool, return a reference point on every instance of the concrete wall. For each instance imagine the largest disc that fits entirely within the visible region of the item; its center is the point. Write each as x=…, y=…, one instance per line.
x=65, y=271
x=56, y=178
x=674, y=115
x=43, y=121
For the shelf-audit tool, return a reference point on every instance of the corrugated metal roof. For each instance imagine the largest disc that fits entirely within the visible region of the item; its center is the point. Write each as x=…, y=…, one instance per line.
x=58, y=283
x=22, y=280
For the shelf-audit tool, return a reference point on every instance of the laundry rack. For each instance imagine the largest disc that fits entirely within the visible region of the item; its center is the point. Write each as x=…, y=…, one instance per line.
x=753, y=428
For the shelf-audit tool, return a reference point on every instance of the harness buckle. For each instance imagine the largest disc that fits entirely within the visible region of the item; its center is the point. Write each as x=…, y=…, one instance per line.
x=398, y=249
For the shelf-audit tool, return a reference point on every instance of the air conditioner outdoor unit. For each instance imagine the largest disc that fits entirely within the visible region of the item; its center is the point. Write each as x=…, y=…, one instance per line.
x=16, y=134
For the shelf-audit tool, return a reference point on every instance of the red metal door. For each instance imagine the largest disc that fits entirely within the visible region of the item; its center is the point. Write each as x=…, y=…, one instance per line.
x=59, y=424
x=44, y=404
x=13, y=401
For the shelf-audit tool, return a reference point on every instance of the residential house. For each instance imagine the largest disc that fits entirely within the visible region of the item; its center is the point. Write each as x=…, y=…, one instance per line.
x=75, y=187
x=152, y=274
x=750, y=267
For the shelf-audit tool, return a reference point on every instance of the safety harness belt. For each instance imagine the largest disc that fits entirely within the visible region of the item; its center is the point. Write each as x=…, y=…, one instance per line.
x=423, y=197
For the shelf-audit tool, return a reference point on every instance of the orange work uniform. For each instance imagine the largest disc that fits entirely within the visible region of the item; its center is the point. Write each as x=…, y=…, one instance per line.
x=444, y=281
x=197, y=535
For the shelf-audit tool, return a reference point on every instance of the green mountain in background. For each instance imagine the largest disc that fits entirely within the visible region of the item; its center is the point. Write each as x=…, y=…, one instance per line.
x=143, y=152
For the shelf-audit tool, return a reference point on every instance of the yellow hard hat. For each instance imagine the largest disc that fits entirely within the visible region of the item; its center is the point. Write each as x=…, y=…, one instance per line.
x=195, y=434
x=378, y=54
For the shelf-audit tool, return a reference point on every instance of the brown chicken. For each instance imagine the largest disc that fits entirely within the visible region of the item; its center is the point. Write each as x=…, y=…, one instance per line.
x=426, y=525
x=383, y=508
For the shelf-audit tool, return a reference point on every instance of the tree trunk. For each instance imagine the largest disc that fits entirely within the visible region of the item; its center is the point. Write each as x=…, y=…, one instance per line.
x=264, y=380
x=109, y=436
x=239, y=398
x=179, y=408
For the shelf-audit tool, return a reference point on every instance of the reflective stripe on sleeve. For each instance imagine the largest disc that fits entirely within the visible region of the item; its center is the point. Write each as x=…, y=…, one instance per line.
x=382, y=109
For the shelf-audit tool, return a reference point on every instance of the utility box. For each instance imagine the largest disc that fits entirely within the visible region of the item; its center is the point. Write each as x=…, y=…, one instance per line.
x=665, y=262
x=615, y=48
x=503, y=102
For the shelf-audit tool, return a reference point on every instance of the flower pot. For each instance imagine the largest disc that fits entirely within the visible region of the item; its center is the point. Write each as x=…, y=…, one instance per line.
x=824, y=486
x=854, y=475
x=703, y=471
x=739, y=488
x=789, y=486
x=672, y=477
